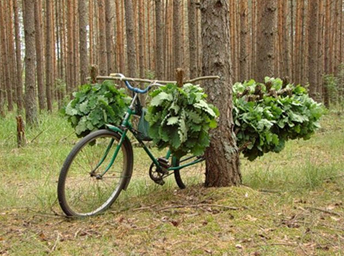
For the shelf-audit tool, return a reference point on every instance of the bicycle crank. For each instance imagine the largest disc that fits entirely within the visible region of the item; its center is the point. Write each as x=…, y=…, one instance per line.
x=158, y=173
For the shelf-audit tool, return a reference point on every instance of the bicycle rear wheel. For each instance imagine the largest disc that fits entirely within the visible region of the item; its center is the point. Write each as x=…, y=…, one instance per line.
x=178, y=178
x=194, y=173
x=85, y=188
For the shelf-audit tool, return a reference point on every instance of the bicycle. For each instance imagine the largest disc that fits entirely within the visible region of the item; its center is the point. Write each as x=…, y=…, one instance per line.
x=100, y=165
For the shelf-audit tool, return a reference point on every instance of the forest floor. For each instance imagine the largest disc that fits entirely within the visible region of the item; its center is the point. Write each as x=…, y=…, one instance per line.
x=290, y=203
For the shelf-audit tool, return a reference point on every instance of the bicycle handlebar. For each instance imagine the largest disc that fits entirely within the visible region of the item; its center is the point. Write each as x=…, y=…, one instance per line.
x=130, y=87
x=127, y=80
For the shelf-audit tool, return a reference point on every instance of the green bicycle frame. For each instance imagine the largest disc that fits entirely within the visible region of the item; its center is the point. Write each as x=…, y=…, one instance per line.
x=123, y=129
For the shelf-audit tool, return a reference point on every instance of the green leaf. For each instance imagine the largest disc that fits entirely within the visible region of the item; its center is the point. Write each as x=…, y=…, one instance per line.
x=70, y=111
x=98, y=104
x=182, y=114
x=172, y=120
x=158, y=99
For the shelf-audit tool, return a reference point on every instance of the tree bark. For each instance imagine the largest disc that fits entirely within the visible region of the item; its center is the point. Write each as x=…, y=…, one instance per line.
x=48, y=54
x=5, y=57
x=70, y=44
x=82, y=9
x=131, y=51
x=103, y=65
x=222, y=157
x=243, y=69
x=11, y=55
x=313, y=48
x=192, y=20
x=39, y=55
x=253, y=37
x=177, y=35
x=109, y=25
x=266, y=39
x=19, y=70
x=30, y=63
x=159, y=56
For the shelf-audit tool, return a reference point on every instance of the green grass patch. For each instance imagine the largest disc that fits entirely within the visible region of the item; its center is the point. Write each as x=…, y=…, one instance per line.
x=290, y=203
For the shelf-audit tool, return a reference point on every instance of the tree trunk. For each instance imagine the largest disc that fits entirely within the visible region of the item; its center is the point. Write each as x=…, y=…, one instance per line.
x=109, y=25
x=91, y=31
x=313, y=48
x=30, y=63
x=192, y=20
x=140, y=41
x=222, y=157
x=2, y=64
x=70, y=43
x=285, y=47
x=39, y=55
x=253, y=37
x=48, y=54
x=5, y=57
x=19, y=82
x=243, y=69
x=266, y=39
x=82, y=9
x=103, y=67
x=120, y=36
x=11, y=55
x=159, y=56
x=327, y=62
x=321, y=39
x=177, y=34
x=131, y=52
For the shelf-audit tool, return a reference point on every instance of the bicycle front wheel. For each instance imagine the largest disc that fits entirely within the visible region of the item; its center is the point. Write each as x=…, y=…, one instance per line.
x=93, y=176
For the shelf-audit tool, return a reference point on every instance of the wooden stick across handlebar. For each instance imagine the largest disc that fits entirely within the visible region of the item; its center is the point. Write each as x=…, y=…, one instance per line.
x=114, y=76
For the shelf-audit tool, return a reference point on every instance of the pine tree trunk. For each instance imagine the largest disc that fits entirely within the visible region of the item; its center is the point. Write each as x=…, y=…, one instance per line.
x=11, y=54
x=109, y=14
x=30, y=63
x=243, y=69
x=327, y=62
x=222, y=157
x=70, y=44
x=266, y=39
x=90, y=34
x=177, y=34
x=48, y=55
x=2, y=64
x=141, y=42
x=103, y=67
x=285, y=47
x=5, y=56
x=120, y=36
x=19, y=82
x=313, y=48
x=192, y=38
x=39, y=55
x=253, y=37
x=131, y=51
x=159, y=54
x=320, y=38
x=82, y=9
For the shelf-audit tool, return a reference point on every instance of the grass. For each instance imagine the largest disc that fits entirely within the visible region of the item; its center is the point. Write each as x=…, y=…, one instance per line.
x=290, y=203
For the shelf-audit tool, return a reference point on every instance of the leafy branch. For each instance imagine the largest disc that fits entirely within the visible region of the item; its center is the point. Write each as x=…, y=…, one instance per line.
x=267, y=115
x=180, y=119
x=96, y=105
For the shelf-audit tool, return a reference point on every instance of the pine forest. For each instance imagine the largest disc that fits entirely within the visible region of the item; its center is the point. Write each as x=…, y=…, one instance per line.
x=48, y=47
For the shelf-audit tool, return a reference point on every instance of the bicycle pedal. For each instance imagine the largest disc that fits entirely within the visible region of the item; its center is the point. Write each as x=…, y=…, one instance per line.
x=164, y=164
x=160, y=182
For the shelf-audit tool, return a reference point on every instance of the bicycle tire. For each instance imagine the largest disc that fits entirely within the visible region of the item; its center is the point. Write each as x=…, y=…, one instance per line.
x=81, y=192
x=178, y=178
